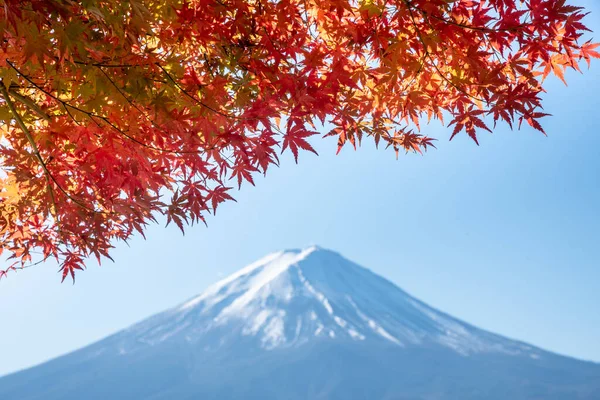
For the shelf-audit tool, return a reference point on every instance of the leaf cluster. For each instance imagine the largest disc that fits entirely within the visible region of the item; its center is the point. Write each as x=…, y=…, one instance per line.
x=114, y=112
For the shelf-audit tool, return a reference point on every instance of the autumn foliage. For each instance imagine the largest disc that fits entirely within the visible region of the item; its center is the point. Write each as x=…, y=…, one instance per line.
x=114, y=112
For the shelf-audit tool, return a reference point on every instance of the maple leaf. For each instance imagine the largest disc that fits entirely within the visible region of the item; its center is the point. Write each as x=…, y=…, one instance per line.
x=71, y=263
x=295, y=139
x=219, y=195
x=243, y=172
x=587, y=52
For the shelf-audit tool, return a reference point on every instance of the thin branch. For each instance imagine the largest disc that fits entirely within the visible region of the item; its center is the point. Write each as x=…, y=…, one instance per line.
x=428, y=54
x=30, y=104
x=146, y=117
x=469, y=27
x=34, y=147
x=178, y=86
x=93, y=117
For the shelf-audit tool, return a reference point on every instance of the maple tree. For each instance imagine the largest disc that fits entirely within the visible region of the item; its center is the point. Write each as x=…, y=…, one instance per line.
x=114, y=112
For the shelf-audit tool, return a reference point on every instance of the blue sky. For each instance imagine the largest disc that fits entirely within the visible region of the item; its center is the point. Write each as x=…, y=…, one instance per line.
x=505, y=236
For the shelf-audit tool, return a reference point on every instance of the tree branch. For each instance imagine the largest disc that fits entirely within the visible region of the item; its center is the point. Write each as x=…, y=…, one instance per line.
x=36, y=151
x=29, y=103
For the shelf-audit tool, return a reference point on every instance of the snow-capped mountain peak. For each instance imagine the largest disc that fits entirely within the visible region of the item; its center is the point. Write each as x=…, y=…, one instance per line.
x=305, y=324
x=252, y=277
x=293, y=297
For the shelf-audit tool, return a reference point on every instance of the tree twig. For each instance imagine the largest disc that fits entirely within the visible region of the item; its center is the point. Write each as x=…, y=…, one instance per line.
x=34, y=148
x=29, y=103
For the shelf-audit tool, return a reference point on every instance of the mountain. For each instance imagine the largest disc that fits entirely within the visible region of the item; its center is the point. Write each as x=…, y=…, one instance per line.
x=299, y=325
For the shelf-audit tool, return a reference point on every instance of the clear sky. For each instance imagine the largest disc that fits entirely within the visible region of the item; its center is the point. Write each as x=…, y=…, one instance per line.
x=505, y=236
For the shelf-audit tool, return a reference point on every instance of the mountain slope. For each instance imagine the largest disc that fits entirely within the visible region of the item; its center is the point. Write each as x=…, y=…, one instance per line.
x=305, y=324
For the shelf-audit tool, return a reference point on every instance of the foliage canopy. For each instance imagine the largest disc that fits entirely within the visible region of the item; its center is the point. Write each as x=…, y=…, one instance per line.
x=116, y=111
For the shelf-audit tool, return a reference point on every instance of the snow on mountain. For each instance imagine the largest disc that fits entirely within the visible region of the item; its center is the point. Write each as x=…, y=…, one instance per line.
x=293, y=297
x=305, y=325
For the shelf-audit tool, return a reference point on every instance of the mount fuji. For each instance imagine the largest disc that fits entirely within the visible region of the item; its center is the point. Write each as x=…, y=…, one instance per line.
x=302, y=325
